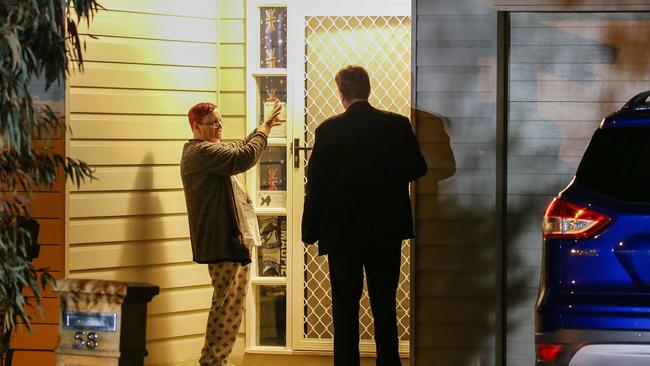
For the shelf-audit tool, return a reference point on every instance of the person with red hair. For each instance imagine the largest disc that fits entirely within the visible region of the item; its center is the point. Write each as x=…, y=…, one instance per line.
x=222, y=220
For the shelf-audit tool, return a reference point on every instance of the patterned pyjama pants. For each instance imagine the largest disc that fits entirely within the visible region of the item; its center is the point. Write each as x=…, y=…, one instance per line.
x=228, y=300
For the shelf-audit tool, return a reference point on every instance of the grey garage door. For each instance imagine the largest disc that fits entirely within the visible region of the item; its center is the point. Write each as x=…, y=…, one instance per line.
x=566, y=72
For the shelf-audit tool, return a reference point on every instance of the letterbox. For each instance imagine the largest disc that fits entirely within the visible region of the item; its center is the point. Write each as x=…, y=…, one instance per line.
x=103, y=322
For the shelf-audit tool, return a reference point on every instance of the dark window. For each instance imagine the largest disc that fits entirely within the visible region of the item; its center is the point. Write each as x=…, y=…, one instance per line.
x=617, y=164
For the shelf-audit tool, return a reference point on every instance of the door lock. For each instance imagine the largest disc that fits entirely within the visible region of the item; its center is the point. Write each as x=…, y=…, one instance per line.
x=296, y=148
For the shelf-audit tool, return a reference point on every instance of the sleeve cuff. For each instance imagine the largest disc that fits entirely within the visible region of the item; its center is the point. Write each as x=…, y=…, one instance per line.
x=261, y=133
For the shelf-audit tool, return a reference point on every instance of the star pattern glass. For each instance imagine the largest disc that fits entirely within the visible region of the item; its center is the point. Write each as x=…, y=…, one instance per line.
x=273, y=37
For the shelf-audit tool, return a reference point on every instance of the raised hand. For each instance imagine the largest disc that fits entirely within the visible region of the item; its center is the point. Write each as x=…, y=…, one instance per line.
x=274, y=118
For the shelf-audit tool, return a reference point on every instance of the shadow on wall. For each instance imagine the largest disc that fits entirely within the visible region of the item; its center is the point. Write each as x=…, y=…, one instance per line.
x=146, y=251
x=144, y=229
x=456, y=249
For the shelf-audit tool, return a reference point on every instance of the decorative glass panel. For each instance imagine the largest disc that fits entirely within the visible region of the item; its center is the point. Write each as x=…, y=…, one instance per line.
x=271, y=315
x=273, y=37
x=272, y=178
x=272, y=255
x=272, y=89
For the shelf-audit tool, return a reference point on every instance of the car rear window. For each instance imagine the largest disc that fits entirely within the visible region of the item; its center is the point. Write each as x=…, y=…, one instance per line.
x=617, y=164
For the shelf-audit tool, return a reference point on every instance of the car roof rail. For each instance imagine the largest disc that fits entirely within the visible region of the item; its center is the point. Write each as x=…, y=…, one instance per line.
x=637, y=100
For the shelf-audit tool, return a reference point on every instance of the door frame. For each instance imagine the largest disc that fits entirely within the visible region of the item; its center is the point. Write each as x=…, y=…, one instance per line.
x=297, y=10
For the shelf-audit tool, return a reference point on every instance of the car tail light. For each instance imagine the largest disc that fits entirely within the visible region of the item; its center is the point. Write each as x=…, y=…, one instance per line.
x=564, y=219
x=547, y=352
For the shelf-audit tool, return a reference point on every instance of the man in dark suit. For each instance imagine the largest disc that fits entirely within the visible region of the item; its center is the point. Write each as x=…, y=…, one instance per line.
x=357, y=207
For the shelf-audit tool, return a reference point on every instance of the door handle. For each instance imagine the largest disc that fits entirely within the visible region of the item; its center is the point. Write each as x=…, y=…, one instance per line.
x=296, y=148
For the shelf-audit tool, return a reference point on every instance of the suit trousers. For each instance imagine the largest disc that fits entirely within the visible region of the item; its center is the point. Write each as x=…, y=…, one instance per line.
x=382, y=269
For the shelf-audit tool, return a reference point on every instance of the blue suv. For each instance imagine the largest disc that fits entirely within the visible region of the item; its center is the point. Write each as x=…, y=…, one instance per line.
x=593, y=306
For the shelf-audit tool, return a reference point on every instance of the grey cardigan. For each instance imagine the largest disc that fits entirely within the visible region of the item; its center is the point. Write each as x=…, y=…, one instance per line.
x=206, y=169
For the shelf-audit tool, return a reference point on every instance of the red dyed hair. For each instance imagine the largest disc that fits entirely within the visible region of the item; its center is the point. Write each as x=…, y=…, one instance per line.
x=199, y=111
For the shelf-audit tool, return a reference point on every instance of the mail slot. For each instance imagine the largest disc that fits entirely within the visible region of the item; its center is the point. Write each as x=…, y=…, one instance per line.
x=103, y=322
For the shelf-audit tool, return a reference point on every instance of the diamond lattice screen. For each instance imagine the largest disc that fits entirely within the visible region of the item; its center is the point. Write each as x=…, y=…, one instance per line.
x=382, y=45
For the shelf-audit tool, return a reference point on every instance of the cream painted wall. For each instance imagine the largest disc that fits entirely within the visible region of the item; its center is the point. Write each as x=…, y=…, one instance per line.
x=152, y=60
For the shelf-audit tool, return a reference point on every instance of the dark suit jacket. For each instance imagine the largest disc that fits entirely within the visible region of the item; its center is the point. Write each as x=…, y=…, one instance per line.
x=357, y=195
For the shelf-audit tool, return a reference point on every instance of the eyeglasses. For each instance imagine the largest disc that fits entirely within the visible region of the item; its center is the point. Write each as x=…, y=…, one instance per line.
x=214, y=124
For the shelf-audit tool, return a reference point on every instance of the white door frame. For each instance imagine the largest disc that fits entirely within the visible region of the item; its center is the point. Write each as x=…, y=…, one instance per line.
x=297, y=10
